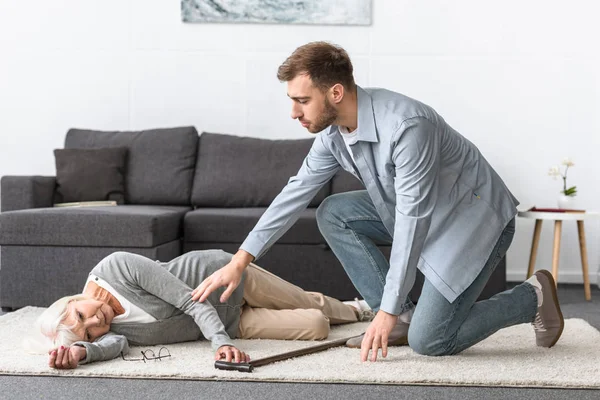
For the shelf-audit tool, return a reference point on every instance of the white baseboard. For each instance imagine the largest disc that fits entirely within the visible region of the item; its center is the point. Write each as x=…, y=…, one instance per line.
x=563, y=277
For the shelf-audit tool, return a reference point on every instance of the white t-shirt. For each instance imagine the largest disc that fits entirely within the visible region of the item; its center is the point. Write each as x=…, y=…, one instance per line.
x=349, y=138
x=132, y=312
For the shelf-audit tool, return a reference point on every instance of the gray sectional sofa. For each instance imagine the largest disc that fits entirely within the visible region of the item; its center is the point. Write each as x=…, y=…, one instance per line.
x=183, y=192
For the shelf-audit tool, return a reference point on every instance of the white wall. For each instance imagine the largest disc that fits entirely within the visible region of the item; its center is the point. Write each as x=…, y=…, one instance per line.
x=519, y=78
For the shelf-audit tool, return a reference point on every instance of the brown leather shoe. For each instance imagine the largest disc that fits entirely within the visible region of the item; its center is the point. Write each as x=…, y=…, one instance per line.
x=549, y=322
x=398, y=337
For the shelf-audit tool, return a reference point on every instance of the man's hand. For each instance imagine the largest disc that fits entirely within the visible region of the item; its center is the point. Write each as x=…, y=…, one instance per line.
x=66, y=357
x=377, y=335
x=230, y=276
x=231, y=353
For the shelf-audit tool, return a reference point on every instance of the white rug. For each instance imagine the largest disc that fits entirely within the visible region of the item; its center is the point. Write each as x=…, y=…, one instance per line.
x=508, y=358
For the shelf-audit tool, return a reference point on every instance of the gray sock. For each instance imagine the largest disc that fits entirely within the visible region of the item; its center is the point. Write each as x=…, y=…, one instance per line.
x=406, y=316
x=533, y=281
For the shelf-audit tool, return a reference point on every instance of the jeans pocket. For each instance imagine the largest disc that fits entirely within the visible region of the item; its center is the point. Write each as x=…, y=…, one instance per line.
x=505, y=241
x=510, y=228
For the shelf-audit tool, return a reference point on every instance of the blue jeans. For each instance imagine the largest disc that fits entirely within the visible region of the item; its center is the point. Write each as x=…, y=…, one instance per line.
x=353, y=229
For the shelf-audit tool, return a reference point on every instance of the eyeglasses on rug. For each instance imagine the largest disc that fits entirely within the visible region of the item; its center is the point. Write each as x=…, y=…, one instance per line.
x=149, y=354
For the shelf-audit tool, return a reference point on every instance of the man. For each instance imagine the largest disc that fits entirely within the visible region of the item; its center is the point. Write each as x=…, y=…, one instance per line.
x=429, y=193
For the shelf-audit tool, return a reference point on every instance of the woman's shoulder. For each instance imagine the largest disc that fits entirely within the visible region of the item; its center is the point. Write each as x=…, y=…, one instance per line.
x=213, y=259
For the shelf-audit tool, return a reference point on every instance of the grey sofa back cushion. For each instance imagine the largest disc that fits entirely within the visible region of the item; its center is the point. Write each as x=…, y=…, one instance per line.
x=90, y=174
x=235, y=171
x=160, y=162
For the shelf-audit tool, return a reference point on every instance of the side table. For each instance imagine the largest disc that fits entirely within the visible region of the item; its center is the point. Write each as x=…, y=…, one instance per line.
x=558, y=218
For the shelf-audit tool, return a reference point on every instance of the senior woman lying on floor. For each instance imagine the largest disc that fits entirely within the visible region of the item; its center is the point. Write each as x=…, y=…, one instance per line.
x=130, y=299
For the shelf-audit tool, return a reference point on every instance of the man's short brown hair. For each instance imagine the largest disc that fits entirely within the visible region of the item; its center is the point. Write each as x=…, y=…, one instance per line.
x=326, y=64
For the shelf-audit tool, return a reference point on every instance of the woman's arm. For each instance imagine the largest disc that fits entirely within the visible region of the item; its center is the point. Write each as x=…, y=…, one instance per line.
x=152, y=278
x=104, y=348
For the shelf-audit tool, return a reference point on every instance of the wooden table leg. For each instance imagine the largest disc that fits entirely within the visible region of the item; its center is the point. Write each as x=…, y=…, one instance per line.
x=556, y=249
x=584, y=261
x=534, y=246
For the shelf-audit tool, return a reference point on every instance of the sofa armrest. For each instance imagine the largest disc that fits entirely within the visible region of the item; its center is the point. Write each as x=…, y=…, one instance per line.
x=22, y=192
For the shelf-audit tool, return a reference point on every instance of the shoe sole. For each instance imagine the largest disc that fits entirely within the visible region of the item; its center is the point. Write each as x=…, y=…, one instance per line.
x=555, y=299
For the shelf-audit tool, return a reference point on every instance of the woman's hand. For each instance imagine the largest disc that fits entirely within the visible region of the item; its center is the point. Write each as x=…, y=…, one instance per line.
x=230, y=353
x=66, y=357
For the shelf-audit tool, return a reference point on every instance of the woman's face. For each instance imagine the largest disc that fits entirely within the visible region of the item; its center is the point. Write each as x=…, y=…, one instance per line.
x=89, y=318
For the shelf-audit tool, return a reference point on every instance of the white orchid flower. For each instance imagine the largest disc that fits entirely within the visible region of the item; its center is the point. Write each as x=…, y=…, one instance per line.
x=567, y=161
x=554, y=171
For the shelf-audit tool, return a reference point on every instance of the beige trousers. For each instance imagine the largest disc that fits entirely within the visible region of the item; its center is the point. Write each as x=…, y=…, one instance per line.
x=277, y=309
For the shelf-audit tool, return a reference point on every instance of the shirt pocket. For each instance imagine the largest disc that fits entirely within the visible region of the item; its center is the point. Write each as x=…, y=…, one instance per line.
x=464, y=198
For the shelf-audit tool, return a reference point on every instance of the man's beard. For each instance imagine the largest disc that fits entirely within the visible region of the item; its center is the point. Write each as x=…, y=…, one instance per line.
x=327, y=118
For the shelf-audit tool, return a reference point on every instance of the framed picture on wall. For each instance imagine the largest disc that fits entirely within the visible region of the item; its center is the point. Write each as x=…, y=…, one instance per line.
x=322, y=12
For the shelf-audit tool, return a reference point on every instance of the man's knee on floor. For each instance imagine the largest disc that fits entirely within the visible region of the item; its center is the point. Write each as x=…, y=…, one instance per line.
x=428, y=345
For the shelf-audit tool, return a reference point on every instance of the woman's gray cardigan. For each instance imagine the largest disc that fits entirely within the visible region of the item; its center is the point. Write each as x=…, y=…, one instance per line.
x=164, y=290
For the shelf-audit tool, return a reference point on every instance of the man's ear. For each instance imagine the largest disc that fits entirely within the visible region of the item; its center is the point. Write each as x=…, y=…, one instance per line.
x=337, y=93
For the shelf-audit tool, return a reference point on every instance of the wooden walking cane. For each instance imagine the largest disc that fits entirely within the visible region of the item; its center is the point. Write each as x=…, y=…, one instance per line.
x=249, y=366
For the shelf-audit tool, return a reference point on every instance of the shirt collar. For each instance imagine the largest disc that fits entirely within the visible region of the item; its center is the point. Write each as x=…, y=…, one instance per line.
x=366, y=118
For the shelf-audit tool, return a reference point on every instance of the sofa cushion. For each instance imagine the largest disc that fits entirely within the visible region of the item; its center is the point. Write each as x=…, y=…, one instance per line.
x=344, y=181
x=234, y=171
x=90, y=174
x=21, y=192
x=160, y=162
x=109, y=226
x=39, y=275
x=232, y=225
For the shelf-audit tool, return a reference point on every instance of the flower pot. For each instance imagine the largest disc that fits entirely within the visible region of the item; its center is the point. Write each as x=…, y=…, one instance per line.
x=566, y=202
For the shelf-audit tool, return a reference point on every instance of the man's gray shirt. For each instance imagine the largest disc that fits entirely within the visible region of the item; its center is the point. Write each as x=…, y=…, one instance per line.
x=438, y=197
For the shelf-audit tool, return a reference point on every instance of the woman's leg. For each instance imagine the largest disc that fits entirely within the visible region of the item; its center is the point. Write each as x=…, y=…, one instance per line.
x=298, y=324
x=262, y=289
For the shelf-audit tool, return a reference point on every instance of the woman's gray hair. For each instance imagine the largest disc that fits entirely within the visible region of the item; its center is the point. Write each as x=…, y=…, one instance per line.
x=50, y=331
